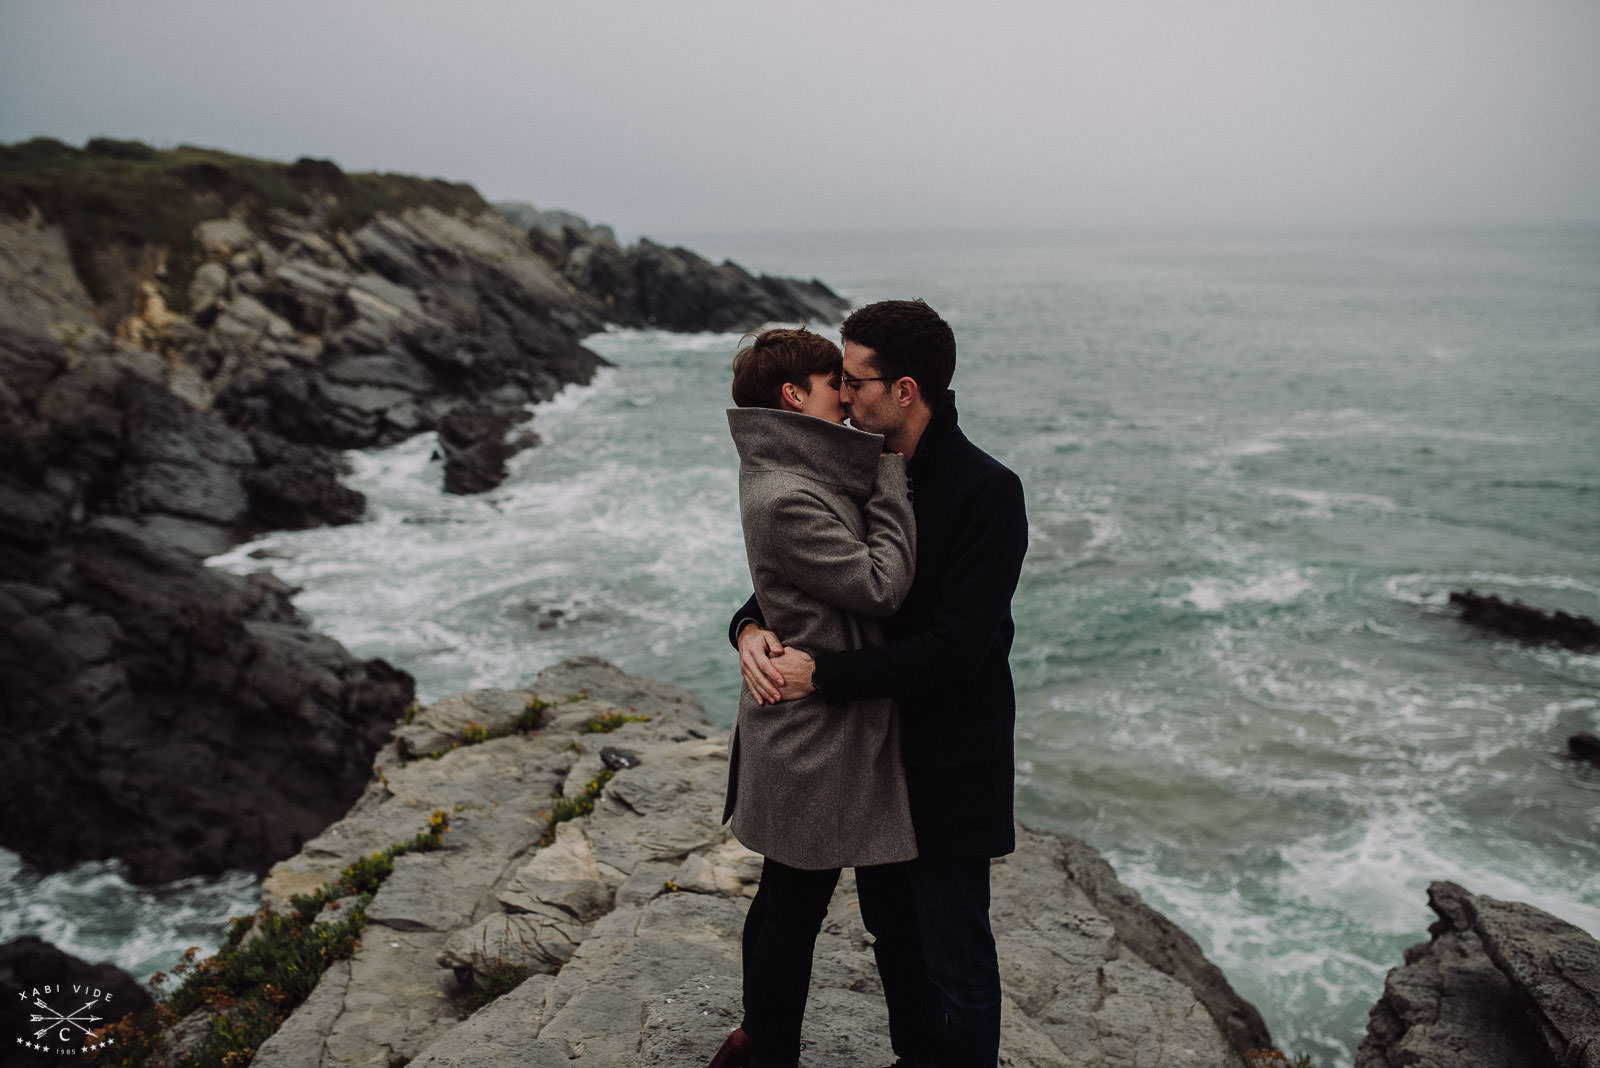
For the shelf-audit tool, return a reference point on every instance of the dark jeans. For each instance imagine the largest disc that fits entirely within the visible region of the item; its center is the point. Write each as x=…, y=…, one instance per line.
x=929, y=918
x=780, y=937
x=930, y=923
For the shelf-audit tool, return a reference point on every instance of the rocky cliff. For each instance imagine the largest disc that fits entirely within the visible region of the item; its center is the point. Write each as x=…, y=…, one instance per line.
x=585, y=879
x=1500, y=984
x=188, y=339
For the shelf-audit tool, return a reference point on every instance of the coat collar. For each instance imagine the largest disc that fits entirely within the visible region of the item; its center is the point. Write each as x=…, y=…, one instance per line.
x=770, y=439
x=942, y=430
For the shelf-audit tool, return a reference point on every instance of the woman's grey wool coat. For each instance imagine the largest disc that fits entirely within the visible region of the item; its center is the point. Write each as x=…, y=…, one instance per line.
x=831, y=541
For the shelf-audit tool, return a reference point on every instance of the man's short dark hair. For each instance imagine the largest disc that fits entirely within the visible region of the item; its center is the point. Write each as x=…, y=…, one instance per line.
x=908, y=340
x=773, y=357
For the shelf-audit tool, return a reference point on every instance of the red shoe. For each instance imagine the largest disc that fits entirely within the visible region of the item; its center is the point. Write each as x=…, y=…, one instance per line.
x=735, y=1051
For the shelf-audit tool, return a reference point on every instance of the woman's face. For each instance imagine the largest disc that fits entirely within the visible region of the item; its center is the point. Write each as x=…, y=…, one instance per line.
x=821, y=398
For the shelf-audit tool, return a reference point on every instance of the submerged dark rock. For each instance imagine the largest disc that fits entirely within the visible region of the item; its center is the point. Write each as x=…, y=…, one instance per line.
x=1584, y=746
x=1517, y=620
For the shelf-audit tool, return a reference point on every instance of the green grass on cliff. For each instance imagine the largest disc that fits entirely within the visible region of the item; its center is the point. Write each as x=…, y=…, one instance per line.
x=268, y=964
x=130, y=202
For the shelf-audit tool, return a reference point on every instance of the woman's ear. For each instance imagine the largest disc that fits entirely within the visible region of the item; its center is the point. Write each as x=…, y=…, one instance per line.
x=792, y=396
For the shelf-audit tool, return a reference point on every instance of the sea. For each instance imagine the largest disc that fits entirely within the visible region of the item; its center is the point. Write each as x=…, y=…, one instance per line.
x=1256, y=464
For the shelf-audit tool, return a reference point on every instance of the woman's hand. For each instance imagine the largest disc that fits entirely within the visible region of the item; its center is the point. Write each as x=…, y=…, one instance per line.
x=757, y=647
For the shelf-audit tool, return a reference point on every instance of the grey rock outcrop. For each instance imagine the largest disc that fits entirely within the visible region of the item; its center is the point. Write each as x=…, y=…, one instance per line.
x=187, y=721
x=648, y=284
x=1500, y=985
x=628, y=921
x=653, y=285
x=552, y=221
x=177, y=717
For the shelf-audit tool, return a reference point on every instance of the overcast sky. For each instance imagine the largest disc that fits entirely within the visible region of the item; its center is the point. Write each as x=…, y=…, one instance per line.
x=662, y=117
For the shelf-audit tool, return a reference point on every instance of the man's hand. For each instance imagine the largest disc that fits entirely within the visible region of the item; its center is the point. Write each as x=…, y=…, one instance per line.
x=796, y=667
x=757, y=647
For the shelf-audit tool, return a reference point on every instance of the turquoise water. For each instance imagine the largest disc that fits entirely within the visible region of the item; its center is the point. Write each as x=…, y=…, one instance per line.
x=1255, y=465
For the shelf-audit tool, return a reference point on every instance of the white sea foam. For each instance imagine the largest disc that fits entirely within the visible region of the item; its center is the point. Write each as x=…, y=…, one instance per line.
x=1302, y=963
x=1322, y=504
x=1255, y=447
x=1281, y=587
x=1376, y=873
x=92, y=912
x=1434, y=588
x=1344, y=424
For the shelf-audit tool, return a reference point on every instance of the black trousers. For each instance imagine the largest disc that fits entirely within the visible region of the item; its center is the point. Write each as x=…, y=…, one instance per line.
x=935, y=953
x=780, y=938
x=929, y=919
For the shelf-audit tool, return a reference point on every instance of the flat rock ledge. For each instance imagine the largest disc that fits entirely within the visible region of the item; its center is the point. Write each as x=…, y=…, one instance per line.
x=629, y=920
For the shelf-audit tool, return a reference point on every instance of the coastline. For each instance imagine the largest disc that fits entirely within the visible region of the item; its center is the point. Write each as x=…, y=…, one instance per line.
x=1338, y=883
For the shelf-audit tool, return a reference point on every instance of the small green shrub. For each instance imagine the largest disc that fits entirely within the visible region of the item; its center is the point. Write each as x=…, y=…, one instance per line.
x=567, y=808
x=251, y=985
x=490, y=982
x=531, y=718
x=1272, y=1058
x=605, y=724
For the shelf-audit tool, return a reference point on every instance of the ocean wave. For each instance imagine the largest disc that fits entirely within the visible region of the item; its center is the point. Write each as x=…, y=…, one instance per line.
x=1434, y=588
x=1378, y=870
x=1282, y=587
x=1343, y=424
x=92, y=912
x=1322, y=504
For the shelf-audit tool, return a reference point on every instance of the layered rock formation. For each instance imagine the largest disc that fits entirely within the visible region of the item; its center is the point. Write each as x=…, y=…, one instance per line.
x=647, y=284
x=628, y=920
x=177, y=717
x=1500, y=985
x=182, y=361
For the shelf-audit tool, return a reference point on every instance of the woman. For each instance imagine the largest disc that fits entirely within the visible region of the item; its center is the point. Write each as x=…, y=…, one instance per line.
x=814, y=788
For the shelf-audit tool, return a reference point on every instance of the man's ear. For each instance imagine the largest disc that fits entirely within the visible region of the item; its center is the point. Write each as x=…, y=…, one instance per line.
x=906, y=391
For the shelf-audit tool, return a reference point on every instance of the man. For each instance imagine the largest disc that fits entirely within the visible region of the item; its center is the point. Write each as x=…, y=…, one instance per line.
x=944, y=660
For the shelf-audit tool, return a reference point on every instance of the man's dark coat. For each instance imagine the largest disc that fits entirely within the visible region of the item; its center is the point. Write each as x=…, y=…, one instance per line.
x=945, y=655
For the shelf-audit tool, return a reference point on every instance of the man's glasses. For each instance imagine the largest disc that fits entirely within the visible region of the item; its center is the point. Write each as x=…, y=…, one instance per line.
x=848, y=384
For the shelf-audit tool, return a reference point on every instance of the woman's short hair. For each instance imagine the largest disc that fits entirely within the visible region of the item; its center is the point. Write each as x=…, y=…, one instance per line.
x=767, y=360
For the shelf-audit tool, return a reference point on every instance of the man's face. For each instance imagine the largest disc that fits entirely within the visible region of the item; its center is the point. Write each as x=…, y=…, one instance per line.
x=869, y=404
